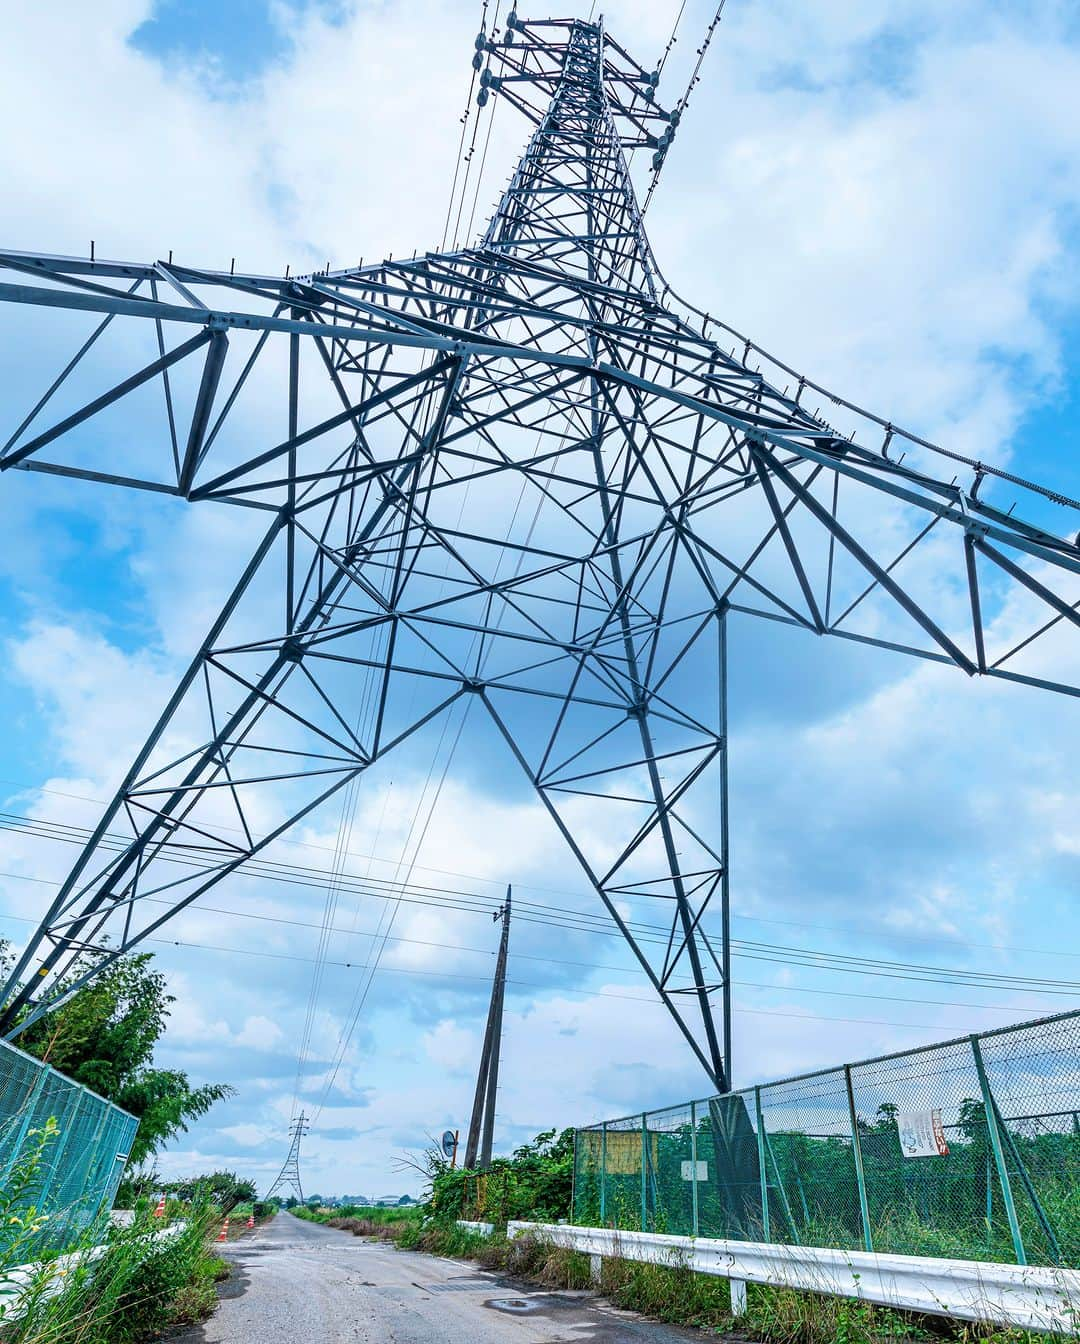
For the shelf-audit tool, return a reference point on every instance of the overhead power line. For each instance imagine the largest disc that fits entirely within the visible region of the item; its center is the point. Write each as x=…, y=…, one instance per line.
x=744, y=949
x=582, y=922
x=515, y=982
x=554, y=986
x=904, y=934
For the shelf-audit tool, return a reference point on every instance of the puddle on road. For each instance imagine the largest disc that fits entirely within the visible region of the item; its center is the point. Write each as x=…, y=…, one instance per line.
x=516, y=1306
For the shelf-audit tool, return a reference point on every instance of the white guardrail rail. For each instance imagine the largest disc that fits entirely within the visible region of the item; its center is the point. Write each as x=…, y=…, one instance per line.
x=15, y=1282
x=1027, y=1296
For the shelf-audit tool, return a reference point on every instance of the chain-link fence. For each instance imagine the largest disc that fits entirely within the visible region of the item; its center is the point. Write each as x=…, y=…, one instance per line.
x=967, y=1149
x=81, y=1166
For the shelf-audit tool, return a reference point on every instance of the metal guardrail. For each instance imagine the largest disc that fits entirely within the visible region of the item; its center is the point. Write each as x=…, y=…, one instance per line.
x=1025, y=1296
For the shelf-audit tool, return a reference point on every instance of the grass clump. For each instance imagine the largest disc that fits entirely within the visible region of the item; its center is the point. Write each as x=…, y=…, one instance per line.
x=363, y=1220
x=112, y=1285
x=128, y=1294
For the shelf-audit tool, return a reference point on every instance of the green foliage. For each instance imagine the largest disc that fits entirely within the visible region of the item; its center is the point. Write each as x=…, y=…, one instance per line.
x=104, y=1037
x=197, y=1299
x=117, y=1286
x=535, y=1182
x=22, y=1220
x=363, y=1220
x=223, y=1188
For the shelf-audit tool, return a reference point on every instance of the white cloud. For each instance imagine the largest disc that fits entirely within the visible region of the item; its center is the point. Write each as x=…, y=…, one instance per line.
x=259, y=1033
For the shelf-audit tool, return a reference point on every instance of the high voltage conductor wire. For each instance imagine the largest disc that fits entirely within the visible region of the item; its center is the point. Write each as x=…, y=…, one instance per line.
x=748, y=949
x=482, y=654
x=461, y=141
x=522, y=984
x=305, y=876
x=562, y=961
x=680, y=106
x=1057, y=988
x=858, y=931
x=472, y=147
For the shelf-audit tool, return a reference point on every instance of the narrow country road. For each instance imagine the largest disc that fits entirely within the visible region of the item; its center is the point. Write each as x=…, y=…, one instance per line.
x=295, y=1282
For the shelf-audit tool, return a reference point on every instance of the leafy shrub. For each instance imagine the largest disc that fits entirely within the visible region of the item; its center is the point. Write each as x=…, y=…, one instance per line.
x=535, y=1183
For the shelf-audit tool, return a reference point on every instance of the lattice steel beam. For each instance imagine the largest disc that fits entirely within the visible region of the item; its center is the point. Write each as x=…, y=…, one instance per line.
x=661, y=485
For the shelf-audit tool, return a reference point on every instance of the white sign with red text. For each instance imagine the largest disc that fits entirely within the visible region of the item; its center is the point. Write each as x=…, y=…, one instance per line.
x=921, y=1134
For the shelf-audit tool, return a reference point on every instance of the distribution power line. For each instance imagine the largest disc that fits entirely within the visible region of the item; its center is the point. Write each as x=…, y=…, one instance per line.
x=669, y=483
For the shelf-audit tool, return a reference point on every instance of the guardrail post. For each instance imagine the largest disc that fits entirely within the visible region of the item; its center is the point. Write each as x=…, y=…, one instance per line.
x=596, y=1269
x=856, y=1148
x=603, y=1174
x=693, y=1170
x=644, y=1172
x=990, y=1112
x=762, y=1173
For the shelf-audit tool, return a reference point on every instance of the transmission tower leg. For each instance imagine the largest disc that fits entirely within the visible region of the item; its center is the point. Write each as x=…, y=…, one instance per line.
x=725, y=853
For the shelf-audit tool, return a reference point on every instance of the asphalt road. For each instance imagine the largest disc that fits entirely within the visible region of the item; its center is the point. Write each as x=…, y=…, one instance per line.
x=295, y=1282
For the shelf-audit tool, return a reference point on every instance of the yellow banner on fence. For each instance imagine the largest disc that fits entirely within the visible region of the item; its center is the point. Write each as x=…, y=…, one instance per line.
x=618, y=1149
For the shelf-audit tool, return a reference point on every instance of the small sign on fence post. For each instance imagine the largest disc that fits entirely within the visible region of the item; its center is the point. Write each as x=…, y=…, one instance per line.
x=695, y=1171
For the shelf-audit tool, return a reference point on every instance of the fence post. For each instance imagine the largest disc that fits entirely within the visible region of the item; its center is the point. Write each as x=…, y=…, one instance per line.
x=856, y=1148
x=990, y=1113
x=693, y=1170
x=644, y=1171
x=603, y=1174
x=766, y=1229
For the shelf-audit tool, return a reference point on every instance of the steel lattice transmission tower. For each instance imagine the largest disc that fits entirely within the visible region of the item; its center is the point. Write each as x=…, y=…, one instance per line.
x=288, y=1178
x=522, y=475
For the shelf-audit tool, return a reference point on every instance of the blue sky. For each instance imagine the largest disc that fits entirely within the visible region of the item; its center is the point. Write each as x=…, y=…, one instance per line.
x=884, y=195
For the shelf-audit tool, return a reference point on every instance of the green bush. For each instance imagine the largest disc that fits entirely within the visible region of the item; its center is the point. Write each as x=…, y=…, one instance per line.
x=535, y=1183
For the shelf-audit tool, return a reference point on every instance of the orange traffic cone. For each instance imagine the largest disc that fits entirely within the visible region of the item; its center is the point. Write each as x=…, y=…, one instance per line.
x=251, y=1219
x=159, y=1212
x=223, y=1235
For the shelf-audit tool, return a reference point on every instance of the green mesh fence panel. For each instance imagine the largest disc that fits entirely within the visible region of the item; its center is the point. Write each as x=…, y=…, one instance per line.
x=80, y=1168
x=1034, y=1075
x=669, y=1191
x=931, y=1205
x=813, y=1190
x=953, y=1163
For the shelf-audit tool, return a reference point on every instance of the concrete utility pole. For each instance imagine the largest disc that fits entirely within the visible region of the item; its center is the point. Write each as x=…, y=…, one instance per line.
x=482, y=1123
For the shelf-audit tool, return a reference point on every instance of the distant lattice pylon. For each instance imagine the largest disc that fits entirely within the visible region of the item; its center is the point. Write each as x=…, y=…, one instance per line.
x=288, y=1178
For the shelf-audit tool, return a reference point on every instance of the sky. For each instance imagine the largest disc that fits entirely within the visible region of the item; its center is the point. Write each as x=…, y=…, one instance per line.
x=883, y=194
